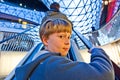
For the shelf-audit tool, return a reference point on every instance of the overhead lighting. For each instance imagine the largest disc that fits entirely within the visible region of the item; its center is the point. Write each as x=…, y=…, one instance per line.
x=1, y=0
x=34, y=9
x=24, y=25
x=25, y=6
x=19, y=20
x=20, y=4
x=106, y=2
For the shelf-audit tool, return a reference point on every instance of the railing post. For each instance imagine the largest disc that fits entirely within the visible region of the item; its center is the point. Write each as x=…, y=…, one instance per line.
x=1, y=38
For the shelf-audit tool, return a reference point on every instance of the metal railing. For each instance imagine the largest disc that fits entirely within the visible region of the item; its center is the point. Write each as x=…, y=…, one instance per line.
x=25, y=60
x=108, y=33
x=21, y=41
x=15, y=42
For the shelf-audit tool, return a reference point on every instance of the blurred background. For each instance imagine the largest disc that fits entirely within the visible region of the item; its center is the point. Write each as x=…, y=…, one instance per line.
x=96, y=20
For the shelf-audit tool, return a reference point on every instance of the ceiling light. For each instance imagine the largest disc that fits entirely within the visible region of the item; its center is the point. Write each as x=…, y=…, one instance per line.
x=20, y=4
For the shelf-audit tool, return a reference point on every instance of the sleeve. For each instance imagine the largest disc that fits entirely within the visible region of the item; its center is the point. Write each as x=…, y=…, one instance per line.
x=100, y=68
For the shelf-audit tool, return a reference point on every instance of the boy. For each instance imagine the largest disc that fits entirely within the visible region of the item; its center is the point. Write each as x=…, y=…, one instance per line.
x=55, y=35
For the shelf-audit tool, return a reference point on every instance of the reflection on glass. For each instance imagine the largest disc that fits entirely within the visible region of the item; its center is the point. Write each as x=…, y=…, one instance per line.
x=109, y=33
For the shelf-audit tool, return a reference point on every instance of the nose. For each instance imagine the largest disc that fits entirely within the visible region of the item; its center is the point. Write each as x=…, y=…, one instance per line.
x=67, y=42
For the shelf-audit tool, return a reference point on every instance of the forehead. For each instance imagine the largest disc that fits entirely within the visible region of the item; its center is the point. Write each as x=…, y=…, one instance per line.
x=65, y=34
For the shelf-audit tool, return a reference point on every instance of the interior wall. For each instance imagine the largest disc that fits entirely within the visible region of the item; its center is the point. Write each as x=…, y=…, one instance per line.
x=9, y=60
x=112, y=49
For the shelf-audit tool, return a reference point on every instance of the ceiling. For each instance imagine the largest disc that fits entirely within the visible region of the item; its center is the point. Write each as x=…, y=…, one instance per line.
x=37, y=5
x=8, y=17
x=83, y=14
x=30, y=4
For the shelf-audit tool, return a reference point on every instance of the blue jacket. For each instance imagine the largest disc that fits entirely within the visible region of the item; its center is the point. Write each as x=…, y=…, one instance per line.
x=55, y=67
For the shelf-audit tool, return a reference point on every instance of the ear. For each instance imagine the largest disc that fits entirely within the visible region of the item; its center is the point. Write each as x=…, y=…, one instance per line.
x=45, y=41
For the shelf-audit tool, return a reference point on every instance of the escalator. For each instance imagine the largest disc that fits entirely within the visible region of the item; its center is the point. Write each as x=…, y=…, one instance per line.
x=25, y=60
x=28, y=58
x=73, y=50
x=108, y=34
x=73, y=55
x=89, y=45
x=14, y=46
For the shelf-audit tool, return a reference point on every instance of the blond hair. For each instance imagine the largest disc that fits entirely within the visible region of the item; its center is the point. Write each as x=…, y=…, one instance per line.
x=51, y=26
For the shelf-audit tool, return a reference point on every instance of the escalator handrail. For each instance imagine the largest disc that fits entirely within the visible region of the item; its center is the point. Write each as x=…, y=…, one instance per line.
x=16, y=35
x=115, y=16
x=89, y=45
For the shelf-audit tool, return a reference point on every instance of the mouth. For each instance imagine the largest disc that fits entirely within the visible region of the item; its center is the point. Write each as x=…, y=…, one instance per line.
x=66, y=49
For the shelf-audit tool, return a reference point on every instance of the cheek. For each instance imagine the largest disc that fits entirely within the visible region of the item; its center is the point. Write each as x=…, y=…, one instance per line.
x=54, y=44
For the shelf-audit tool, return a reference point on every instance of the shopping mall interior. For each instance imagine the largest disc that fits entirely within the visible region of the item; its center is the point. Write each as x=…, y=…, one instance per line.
x=20, y=21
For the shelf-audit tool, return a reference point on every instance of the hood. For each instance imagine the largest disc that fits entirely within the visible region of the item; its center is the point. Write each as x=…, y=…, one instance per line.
x=23, y=72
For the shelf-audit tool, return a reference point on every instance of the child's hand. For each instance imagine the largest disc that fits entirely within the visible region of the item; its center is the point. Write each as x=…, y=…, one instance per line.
x=92, y=49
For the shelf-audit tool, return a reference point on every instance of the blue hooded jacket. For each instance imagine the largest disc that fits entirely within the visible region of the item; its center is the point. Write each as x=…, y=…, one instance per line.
x=55, y=67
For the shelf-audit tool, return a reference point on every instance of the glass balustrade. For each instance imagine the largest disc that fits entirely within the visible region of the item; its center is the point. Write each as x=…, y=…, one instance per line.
x=107, y=34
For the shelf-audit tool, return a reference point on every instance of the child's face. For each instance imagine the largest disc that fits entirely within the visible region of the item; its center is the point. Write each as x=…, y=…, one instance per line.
x=58, y=43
